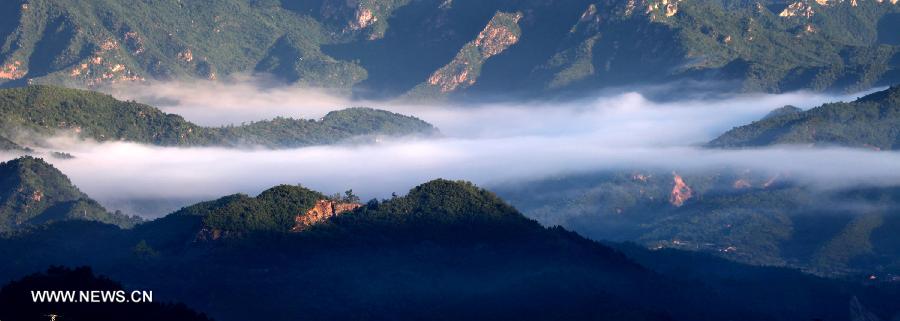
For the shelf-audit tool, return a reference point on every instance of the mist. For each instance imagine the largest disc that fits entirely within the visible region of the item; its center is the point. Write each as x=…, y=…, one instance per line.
x=488, y=144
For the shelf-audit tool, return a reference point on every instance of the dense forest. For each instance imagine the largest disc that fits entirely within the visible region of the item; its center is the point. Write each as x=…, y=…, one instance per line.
x=394, y=48
x=33, y=193
x=448, y=249
x=46, y=110
x=16, y=302
x=870, y=122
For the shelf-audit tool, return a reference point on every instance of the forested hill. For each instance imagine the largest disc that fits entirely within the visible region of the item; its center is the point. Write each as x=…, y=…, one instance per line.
x=34, y=193
x=47, y=110
x=446, y=48
x=444, y=249
x=872, y=122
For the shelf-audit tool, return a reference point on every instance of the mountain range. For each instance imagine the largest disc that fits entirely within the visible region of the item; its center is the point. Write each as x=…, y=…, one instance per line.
x=870, y=122
x=33, y=193
x=755, y=217
x=446, y=250
x=439, y=48
x=32, y=113
x=686, y=242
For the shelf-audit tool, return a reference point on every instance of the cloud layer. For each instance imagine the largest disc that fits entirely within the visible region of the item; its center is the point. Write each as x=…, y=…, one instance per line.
x=485, y=143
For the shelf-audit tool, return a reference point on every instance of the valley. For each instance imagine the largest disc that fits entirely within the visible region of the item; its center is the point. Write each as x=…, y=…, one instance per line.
x=450, y=160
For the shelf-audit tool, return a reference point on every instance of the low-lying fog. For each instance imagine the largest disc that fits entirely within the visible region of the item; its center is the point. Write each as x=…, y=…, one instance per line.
x=487, y=144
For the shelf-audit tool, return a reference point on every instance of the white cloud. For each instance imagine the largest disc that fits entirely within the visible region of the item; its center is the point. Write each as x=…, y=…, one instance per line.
x=487, y=144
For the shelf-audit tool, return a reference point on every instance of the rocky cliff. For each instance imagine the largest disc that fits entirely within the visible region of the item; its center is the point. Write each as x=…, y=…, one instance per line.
x=322, y=211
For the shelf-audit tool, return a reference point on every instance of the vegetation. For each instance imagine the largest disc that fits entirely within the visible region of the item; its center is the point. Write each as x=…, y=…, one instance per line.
x=16, y=302
x=33, y=192
x=271, y=211
x=444, y=248
x=752, y=218
x=869, y=122
x=93, y=43
x=393, y=47
x=51, y=110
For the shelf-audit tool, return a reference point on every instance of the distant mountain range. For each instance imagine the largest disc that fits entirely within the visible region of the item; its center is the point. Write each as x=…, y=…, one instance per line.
x=446, y=250
x=754, y=218
x=438, y=48
x=870, y=122
x=34, y=112
x=751, y=217
x=33, y=193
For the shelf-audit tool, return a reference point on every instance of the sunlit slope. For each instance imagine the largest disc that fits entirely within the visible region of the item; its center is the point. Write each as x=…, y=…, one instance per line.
x=33, y=192
x=455, y=48
x=46, y=110
x=870, y=122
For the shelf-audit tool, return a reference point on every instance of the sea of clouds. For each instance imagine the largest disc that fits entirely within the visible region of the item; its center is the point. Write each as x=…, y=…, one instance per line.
x=486, y=143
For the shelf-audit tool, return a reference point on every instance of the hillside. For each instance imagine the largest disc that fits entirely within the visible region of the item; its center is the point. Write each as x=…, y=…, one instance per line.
x=33, y=193
x=871, y=122
x=444, y=249
x=8, y=145
x=749, y=217
x=49, y=110
x=16, y=302
x=446, y=48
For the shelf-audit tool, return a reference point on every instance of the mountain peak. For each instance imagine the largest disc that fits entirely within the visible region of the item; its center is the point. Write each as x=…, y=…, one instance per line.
x=892, y=94
x=281, y=208
x=781, y=111
x=34, y=192
x=868, y=122
x=458, y=199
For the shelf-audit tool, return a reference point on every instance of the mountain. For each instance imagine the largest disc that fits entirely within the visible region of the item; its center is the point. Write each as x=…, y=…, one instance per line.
x=446, y=250
x=33, y=192
x=432, y=48
x=16, y=302
x=750, y=217
x=869, y=122
x=8, y=145
x=52, y=110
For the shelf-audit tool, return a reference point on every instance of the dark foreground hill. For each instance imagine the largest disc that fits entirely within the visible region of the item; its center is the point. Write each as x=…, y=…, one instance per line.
x=17, y=303
x=871, y=122
x=33, y=193
x=445, y=251
x=46, y=110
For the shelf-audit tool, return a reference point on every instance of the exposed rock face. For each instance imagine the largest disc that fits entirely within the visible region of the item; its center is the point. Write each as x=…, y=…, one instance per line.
x=741, y=184
x=364, y=18
x=668, y=7
x=322, y=211
x=681, y=192
x=496, y=36
x=12, y=71
x=499, y=34
x=798, y=9
x=804, y=8
x=186, y=55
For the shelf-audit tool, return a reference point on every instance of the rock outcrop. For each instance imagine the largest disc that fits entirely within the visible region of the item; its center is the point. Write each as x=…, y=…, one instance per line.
x=805, y=8
x=13, y=70
x=499, y=34
x=681, y=192
x=322, y=211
